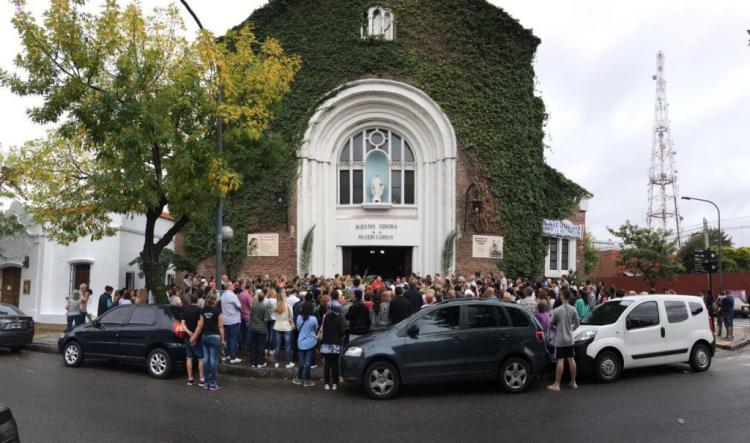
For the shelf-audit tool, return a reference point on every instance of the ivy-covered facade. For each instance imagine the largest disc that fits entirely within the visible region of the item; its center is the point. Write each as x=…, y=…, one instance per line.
x=436, y=99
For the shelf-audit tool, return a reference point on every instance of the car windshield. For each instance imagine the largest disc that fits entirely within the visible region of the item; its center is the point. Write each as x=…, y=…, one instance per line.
x=9, y=310
x=607, y=313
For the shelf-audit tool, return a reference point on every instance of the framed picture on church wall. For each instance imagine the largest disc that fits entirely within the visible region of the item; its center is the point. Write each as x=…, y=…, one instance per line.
x=26, y=287
x=263, y=245
x=487, y=246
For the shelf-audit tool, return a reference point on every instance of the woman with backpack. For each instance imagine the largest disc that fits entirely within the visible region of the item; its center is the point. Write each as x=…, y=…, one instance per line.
x=332, y=333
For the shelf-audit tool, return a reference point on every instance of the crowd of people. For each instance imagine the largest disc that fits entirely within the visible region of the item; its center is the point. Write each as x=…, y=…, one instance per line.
x=289, y=322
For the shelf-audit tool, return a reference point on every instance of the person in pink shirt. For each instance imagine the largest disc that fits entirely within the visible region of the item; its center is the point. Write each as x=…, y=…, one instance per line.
x=246, y=303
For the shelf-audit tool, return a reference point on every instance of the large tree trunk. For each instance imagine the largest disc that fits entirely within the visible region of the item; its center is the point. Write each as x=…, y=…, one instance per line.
x=152, y=251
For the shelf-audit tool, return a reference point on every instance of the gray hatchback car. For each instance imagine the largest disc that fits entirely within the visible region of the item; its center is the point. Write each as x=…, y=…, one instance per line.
x=452, y=340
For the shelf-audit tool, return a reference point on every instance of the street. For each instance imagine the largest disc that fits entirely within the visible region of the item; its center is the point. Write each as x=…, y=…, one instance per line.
x=115, y=403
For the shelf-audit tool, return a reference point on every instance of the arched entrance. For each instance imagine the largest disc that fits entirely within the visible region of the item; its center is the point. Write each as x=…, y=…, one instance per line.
x=11, y=290
x=377, y=171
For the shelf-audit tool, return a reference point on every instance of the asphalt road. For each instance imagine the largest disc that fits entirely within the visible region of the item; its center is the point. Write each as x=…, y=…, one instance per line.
x=105, y=402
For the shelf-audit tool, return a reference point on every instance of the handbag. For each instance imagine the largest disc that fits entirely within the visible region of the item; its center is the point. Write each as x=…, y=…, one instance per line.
x=319, y=335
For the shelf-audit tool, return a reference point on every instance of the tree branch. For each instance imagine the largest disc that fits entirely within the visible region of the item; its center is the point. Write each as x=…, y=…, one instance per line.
x=169, y=235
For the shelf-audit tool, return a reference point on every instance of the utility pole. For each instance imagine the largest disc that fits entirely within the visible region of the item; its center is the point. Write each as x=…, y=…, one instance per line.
x=662, y=177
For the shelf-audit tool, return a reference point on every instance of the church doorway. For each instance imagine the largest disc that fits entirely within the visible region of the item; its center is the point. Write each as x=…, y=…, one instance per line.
x=386, y=261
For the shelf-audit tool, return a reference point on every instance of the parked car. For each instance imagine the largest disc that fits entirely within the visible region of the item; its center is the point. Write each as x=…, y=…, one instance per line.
x=741, y=309
x=644, y=330
x=16, y=328
x=8, y=427
x=452, y=340
x=140, y=334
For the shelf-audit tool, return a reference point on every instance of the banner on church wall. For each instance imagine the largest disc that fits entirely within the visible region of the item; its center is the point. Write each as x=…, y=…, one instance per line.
x=263, y=245
x=561, y=229
x=487, y=246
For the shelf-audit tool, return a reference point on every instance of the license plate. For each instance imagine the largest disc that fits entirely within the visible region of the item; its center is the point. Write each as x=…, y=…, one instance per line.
x=16, y=326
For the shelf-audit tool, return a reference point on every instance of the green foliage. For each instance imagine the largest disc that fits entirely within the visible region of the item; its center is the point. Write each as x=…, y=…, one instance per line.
x=735, y=259
x=305, y=253
x=696, y=241
x=590, y=256
x=9, y=224
x=448, y=252
x=647, y=252
x=470, y=57
x=134, y=105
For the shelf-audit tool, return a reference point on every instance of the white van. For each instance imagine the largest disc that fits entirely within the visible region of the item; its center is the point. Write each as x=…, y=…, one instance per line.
x=644, y=330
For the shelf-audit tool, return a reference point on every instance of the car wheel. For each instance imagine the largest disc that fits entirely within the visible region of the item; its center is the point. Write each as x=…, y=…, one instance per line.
x=381, y=380
x=700, y=358
x=72, y=354
x=515, y=375
x=607, y=367
x=159, y=363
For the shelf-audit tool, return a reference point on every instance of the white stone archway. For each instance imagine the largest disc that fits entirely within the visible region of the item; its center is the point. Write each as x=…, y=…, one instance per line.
x=410, y=112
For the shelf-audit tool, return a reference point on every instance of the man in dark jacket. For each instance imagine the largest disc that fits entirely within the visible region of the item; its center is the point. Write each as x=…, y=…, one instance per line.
x=105, y=301
x=415, y=300
x=358, y=317
x=399, y=307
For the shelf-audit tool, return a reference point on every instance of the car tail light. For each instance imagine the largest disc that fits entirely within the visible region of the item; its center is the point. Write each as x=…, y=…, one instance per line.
x=178, y=331
x=539, y=335
x=31, y=324
x=710, y=324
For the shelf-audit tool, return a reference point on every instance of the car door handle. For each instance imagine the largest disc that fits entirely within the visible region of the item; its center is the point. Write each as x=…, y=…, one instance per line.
x=663, y=332
x=503, y=337
x=457, y=338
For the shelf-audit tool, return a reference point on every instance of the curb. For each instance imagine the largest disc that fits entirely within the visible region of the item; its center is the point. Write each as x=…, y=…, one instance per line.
x=41, y=347
x=733, y=345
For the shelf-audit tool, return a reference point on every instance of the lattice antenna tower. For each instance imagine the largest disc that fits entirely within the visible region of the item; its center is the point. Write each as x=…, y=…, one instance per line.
x=662, y=179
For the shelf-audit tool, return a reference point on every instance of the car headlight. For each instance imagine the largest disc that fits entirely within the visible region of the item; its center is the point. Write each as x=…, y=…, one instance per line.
x=353, y=351
x=586, y=335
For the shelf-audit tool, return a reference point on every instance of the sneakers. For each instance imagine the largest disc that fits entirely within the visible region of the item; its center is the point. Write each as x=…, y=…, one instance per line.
x=190, y=382
x=327, y=387
x=214, y=388
x=276, y=365
x=264, y=365
x=313, y=366
x=290, y=366
x=202, y=384
x=296, y=381
x=334, y=387
x=309, y=383
x=235, y=360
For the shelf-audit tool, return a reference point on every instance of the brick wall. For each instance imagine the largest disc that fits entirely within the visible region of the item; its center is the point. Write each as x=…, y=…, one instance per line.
x=465, y=263
x=284, y=264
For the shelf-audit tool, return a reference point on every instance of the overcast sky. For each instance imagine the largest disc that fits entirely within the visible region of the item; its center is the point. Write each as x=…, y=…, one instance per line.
x=594, y=70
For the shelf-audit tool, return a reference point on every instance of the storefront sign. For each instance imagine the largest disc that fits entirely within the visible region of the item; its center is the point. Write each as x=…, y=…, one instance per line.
x=376, y=231
x=561, y=229
x=487, y=246
x=263, y=245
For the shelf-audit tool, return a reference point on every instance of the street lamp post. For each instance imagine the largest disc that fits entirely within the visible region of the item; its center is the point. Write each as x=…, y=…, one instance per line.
x=219, y=151
x=718, y=255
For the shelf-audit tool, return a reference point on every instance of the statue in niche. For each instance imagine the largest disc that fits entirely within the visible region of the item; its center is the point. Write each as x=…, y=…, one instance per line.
x=376, y=189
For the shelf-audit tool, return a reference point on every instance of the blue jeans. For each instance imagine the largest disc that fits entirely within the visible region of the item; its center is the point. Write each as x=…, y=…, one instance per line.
x=232, y=333
x=211, y=345
x=305, y=361
x=286, y=338
x=270, y=336
x=244, y=336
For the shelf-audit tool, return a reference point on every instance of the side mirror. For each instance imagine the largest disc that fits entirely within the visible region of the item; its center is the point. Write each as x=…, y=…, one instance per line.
x=413, y=330
x=96, y=323
x=628, y=323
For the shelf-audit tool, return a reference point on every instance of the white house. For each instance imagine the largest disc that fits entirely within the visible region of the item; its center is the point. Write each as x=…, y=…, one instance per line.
x=37, y=273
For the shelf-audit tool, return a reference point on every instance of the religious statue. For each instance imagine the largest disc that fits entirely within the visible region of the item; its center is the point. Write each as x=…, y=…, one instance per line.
x=376, y=189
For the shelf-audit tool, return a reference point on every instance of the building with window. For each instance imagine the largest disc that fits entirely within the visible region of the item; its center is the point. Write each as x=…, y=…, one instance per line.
x=412, y=151
x=38, y=273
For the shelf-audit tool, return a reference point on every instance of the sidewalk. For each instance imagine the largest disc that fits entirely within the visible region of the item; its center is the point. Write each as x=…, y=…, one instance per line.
x=47, y=342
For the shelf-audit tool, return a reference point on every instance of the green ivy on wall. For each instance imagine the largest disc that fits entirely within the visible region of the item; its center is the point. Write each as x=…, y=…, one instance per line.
x=470, y=57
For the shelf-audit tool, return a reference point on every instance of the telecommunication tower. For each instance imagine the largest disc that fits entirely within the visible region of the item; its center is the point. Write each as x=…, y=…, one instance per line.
x=662, y=178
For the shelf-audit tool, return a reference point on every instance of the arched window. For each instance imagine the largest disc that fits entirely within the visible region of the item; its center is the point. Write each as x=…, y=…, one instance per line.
x=376, y=166
x=380, y=23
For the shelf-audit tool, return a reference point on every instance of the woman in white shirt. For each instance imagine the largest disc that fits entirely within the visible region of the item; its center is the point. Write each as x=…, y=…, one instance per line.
x=282, y=328
x=270, y=301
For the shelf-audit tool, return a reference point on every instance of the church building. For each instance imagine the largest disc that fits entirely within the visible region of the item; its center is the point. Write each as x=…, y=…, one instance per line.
x=412, y=141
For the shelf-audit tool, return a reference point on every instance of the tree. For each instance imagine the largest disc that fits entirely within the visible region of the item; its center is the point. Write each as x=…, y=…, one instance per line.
x=135, y=103
x=735, y=259
x=590, y=256
x=9, y=224
x=696, y=241
x=647, y=252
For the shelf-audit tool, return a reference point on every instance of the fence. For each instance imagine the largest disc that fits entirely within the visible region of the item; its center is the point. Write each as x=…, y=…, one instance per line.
x=683, y=283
